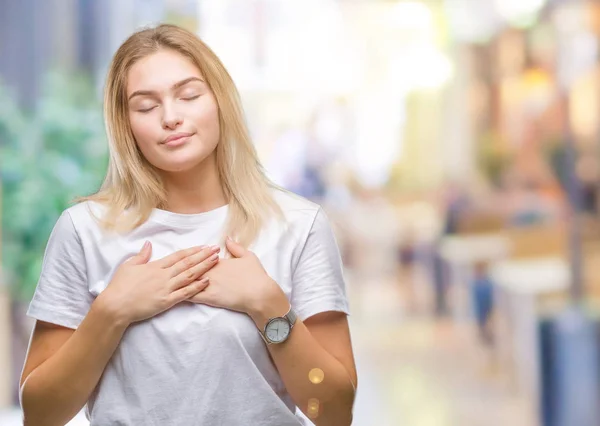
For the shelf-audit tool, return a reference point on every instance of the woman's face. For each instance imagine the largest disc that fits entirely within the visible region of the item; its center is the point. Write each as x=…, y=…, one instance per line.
x=173, y=113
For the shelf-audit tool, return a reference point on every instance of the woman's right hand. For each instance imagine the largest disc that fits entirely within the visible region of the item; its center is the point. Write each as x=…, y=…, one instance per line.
x=140, y=289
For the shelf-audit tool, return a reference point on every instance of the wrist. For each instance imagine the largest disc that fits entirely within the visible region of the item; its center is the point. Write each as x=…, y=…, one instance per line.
x=109, y=312
x=274, y=304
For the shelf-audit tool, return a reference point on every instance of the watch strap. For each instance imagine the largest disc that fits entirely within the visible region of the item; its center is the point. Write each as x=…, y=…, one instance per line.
x=291, y=317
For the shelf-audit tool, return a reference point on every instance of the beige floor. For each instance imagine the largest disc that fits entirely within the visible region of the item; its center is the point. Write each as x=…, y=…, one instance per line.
x=416, y=371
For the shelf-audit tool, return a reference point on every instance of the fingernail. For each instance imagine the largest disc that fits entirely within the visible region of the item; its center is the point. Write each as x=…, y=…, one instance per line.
x=204, y=280
x=146, y=244
x=215, y=248
x=214, y=257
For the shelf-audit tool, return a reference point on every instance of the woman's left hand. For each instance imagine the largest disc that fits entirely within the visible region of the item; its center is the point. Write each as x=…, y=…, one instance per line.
x=239, y=284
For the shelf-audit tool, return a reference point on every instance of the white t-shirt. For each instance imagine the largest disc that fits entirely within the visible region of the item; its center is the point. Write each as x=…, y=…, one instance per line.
x=192, y=364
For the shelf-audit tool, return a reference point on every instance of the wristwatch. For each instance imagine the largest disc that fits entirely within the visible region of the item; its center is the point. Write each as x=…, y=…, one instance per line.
x=277, y=330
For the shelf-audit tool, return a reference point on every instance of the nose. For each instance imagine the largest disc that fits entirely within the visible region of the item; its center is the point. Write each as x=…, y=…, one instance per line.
x=171, y=118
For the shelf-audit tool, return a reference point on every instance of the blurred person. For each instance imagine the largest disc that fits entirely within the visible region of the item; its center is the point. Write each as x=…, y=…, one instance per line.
x=455, y=205
x=482, y=292
x=194, y=328
x=440, y=278
x=588, y=174
x=328, y=139
x=294, y=168
x=407, y=256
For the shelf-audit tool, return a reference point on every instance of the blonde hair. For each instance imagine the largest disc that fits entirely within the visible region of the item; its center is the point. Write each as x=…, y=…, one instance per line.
x=132, y=187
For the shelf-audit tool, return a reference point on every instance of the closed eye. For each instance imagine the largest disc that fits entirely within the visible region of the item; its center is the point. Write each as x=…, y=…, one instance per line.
x=147, y=109
x=191, y=98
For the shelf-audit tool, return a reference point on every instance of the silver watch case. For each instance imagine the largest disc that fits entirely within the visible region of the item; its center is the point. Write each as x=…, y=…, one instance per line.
x=290, y=318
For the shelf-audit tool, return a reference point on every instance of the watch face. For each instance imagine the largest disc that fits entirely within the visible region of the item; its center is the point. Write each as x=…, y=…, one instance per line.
x=278, y=330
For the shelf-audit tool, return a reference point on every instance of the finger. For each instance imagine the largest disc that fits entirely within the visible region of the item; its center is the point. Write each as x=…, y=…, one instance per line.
x=172, y=259
x=189, y=262
x=188, y=291
x=236, y=249
x=195, y=272
x=143, y=256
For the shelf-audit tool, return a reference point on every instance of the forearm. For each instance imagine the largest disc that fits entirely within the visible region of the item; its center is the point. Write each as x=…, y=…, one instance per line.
x=56, y=390
x=301, y=358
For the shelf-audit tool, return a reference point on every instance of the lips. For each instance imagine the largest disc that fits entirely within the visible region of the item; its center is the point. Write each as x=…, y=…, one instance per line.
x=173, y=139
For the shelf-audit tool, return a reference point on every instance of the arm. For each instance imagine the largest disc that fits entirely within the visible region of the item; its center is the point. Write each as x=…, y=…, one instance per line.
x=321, y=341
x=64, y=366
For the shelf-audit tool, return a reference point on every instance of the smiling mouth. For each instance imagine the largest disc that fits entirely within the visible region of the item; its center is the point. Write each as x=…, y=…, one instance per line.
x=177, y=140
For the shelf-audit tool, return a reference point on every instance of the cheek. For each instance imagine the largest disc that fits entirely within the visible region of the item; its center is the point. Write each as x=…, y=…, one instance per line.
x=213, y=127
x=143, y=132
x=207, y=123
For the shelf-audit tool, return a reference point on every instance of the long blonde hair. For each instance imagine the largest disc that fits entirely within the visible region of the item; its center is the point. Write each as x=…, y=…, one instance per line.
x=132, y=188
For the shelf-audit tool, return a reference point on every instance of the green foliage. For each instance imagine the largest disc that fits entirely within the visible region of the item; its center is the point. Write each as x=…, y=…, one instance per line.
x=46, y=159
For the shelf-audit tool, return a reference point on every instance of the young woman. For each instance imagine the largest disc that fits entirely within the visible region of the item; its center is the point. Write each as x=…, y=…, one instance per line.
x=189, y=290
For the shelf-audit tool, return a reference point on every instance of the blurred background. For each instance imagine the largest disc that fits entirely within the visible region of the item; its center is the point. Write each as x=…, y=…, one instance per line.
x=455, y=145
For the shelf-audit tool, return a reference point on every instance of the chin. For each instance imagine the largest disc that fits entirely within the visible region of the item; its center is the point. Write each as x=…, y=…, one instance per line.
x=179, y=167
x=183, y=160
x=182, y=165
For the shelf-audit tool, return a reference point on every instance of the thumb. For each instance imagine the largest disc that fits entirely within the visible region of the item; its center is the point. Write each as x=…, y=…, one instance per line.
x=143, y=256
x=236, y=249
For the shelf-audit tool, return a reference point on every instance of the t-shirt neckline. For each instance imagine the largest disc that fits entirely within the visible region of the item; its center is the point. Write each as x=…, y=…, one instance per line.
x=188, y=219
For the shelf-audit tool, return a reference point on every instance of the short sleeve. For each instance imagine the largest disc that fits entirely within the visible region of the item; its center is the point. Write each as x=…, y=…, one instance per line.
x=62, y=296
x=318, y=282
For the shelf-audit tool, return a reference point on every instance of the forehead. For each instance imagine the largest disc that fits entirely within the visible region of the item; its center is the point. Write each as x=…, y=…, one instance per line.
x=159, y=71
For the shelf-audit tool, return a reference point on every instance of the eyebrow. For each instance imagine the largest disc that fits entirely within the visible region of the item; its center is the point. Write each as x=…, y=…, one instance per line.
x=175, y=86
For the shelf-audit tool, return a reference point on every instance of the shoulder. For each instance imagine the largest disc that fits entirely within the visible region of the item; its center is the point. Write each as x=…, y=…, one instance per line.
x=294, y=207
x=304, y=218
x=84, y=216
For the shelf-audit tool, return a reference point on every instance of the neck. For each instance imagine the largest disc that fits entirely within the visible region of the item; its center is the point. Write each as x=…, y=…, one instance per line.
x=195, y=191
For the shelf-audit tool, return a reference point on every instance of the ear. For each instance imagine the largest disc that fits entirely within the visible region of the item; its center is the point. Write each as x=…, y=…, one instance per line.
x=236, y=250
